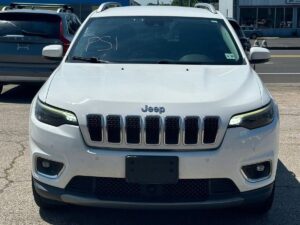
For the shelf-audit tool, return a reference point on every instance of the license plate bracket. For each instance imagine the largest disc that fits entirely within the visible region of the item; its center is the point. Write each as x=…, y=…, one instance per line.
x=152, y=169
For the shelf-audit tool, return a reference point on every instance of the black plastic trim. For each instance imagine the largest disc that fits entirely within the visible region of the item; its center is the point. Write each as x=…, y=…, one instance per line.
x=242, y=198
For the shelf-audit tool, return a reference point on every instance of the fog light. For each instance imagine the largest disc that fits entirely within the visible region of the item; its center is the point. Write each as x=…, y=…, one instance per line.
x=257, y=171
x=260, y=168
x=48, y=167
x=45, y=164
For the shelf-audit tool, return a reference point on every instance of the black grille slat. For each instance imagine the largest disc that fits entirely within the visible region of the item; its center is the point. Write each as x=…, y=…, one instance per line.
x=172, y=129
x=191, y=130
x=133, y=129
x=94, y=124
x=186, y=190
x=211, y=126
x=113, y=126
x=152, y=128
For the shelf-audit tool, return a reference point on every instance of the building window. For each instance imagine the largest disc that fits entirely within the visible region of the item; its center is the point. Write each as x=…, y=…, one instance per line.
x=289, y=17
x=280, y=22
x=298, y=19
x=266, y=18
x=248, y=17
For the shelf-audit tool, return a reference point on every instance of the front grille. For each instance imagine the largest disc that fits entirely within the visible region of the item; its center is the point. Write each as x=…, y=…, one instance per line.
x=94, y=123
x=153, y=130
x=172, y=129
x=133, y=129
x=211, y=126
x=152, y=124
x=113, y=129
x=186, y=190
x=191, y=130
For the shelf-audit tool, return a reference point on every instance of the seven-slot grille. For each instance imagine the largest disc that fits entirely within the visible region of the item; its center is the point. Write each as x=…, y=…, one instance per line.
x=153, y=130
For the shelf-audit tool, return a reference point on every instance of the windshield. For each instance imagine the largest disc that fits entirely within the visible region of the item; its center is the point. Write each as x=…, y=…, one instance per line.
x=31, y=24
x=174, y=40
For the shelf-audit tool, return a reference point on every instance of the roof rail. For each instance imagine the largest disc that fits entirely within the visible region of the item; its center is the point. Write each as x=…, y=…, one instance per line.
x=107, y=5
x=5, y=8
x=207, y=6
x=21, y=5
x=66, y=9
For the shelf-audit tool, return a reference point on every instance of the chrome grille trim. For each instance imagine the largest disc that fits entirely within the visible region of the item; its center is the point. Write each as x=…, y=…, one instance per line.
x=161, y=136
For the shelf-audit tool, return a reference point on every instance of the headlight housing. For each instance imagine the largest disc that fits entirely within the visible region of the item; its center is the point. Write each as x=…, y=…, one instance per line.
x=54, y=116
x=254, y=119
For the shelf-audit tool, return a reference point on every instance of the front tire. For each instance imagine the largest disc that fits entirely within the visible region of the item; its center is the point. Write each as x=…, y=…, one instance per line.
x=44, y=203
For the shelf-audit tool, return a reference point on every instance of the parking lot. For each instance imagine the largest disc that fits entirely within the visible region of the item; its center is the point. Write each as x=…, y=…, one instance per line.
x=17, y=205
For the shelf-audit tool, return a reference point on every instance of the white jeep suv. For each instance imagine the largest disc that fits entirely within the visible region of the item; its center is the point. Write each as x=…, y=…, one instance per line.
x=155, y=107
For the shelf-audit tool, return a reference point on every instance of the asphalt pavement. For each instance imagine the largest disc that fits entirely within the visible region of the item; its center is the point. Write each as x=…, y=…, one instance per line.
x=16, y=201
x=291, y=43
x=284, y=67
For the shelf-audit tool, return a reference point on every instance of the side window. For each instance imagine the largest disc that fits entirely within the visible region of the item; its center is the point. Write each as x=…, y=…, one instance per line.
x=73, y=24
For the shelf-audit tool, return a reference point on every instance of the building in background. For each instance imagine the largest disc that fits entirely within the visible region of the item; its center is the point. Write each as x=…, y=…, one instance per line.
x=272, y=17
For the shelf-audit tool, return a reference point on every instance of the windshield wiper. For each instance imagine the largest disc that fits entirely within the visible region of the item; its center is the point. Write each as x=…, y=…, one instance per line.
x=90, y=59
x=165, y=62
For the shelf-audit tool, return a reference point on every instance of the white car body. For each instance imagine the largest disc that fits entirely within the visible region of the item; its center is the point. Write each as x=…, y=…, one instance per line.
x=183, y=90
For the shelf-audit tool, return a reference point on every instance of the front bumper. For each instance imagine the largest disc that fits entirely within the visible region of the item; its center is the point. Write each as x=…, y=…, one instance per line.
x=239, y=147
x=220, y=201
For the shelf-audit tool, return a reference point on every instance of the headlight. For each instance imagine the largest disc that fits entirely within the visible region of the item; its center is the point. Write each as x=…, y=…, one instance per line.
x=54, y=116
x=255, y=119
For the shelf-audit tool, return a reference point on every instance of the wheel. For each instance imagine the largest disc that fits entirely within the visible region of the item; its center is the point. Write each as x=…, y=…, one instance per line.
x=44, y=203
x=254, y=36
x=262, y=207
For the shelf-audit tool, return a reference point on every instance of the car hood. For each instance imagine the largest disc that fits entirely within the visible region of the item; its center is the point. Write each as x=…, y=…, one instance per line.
x=125, y=89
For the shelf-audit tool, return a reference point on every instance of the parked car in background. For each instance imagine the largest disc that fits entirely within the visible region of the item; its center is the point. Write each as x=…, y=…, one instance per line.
x=24, y=32
x=240, y=33
x=251, y=32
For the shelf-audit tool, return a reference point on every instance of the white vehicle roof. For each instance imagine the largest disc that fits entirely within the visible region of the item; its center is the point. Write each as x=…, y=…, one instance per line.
x=173, y=11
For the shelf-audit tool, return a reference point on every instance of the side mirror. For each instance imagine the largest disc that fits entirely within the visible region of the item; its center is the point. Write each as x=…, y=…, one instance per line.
x=53, y=51
x=259, y=55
